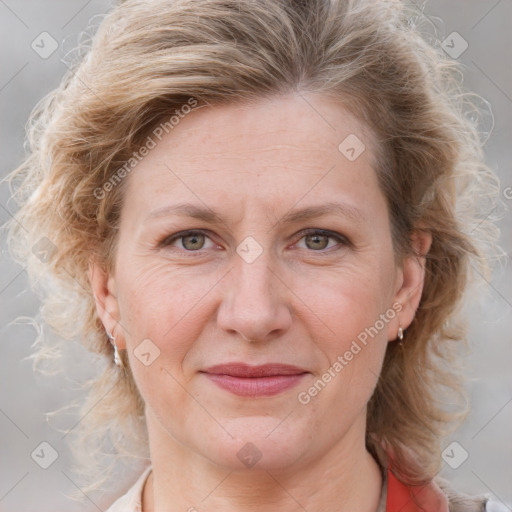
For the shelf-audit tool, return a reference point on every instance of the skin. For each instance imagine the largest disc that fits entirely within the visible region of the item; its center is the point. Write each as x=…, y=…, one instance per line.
x=200, y=303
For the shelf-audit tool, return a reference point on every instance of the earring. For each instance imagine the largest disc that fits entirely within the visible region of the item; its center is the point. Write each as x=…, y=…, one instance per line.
x=400, y=333
x=117, y=358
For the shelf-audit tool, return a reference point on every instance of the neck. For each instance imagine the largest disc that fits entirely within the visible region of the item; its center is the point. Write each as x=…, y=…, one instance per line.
x=346, y=478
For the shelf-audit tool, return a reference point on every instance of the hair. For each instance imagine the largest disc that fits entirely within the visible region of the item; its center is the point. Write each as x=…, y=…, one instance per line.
x=146, y=61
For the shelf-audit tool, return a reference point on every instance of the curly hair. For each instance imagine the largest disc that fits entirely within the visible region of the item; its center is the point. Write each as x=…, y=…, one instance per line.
x=146, y=61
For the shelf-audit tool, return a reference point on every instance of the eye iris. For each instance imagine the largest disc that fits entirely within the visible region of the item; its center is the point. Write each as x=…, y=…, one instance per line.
x=193, y=238
x=315, y=239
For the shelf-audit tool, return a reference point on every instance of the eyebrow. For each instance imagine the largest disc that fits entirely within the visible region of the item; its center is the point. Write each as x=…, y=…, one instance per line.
x=293, y=216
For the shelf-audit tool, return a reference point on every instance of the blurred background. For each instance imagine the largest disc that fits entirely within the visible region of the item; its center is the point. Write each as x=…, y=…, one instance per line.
x=35, y=38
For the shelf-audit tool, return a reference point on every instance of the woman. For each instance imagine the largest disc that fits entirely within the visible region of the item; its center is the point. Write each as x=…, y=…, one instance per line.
x=254, y=211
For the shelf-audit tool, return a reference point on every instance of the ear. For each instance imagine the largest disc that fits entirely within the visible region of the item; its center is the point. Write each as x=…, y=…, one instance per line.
x=103, y=287
x=410, y=281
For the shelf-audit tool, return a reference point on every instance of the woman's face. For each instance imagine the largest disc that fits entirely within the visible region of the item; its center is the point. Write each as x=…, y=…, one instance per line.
x=317, y=291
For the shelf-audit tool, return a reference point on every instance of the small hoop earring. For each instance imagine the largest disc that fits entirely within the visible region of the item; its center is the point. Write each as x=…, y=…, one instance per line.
x=117, y=358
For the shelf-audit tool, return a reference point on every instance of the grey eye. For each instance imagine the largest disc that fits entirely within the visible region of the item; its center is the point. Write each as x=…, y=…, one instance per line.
x=317, y=241
x=193, y=242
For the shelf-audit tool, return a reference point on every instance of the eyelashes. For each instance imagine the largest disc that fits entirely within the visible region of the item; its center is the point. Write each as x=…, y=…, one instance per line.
x=314, y=234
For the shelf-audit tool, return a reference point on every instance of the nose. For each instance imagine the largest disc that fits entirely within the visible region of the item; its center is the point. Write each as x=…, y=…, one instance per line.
x=255, y=301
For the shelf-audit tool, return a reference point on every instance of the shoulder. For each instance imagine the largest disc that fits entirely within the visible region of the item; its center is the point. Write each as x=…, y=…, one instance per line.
x=131, y=501
x=460, y=502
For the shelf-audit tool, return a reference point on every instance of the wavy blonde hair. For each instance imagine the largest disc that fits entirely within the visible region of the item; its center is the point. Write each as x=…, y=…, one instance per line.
x=146, y=60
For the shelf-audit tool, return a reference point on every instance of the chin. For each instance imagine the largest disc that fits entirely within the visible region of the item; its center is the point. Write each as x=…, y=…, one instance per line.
x=256, y=444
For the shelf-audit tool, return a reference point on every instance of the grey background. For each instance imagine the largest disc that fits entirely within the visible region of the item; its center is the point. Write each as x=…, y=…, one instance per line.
x=25, y=77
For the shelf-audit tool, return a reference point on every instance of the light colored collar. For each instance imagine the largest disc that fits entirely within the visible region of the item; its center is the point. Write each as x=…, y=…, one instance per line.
x=132, y=500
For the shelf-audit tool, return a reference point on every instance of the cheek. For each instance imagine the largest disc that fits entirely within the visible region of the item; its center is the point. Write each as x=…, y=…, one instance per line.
x=159, y=313
x=164, y=305
x=354, y=308
x=353, y=301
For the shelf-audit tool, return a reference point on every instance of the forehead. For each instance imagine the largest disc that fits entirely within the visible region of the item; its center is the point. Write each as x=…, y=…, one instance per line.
x=276, y=152
x=299, y=122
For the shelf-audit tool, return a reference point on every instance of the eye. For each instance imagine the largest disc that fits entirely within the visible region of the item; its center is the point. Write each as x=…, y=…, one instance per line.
x=318, y=239
x=191, y=241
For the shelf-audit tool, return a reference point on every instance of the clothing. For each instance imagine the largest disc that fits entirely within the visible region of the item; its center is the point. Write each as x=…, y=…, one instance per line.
x=132, y=500
x=438, y=496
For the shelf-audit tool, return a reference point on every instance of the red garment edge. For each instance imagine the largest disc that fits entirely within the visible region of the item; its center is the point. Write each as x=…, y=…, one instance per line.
x=421, y=498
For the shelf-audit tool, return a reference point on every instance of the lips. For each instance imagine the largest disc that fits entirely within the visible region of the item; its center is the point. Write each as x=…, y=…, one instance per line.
x=246, y=371
x=253, y=381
